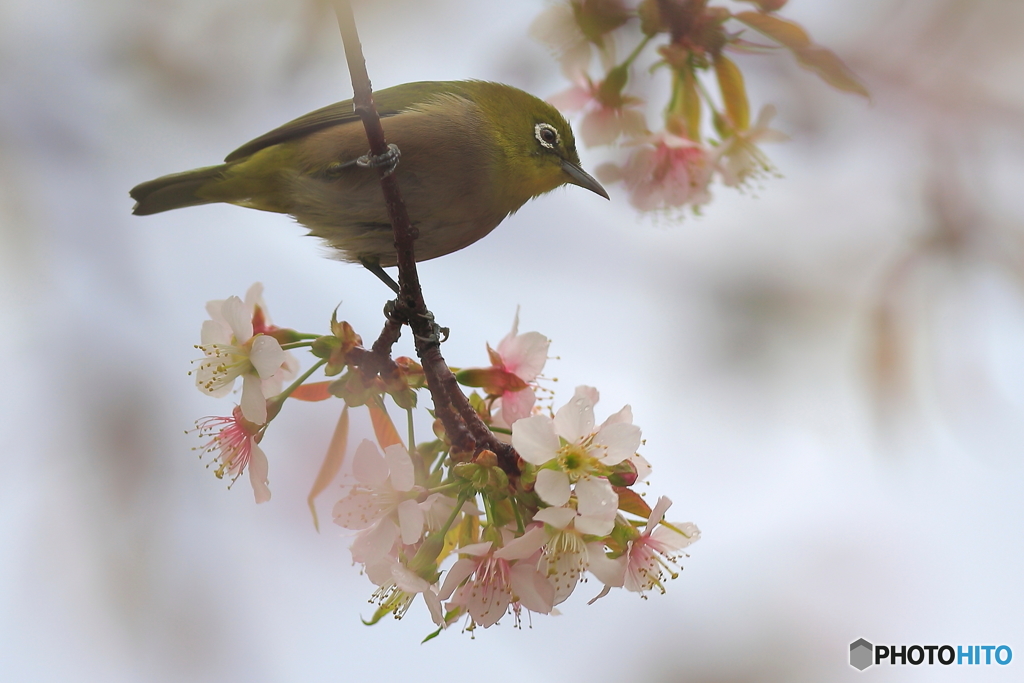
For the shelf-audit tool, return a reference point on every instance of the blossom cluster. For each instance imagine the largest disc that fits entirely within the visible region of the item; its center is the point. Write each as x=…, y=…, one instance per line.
x=475, y=537
x=674, y=167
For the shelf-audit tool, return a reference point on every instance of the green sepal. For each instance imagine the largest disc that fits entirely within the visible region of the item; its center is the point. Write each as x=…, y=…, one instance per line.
x=377, y=616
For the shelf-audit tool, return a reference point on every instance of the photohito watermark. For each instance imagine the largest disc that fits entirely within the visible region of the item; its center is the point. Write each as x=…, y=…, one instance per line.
x=863, y=654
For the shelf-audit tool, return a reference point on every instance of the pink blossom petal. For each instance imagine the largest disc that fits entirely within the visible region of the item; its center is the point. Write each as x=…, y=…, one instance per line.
x=559, y=518
x=374, y=543
x=258, y=470
x=534, y=439
x=657, y=513
x=552, y=486
x=525, y=355
x=357, y=511
x=596, y=498
x=515, y=405
x=253, y=403
x=487, y=603
x=266, y=356
x=532, y=589
x=522, y=547
x=410, y=519
x=476, y=549
x=575, y=420
x=403, y=475
x=618, y=441
x=368, y=466
x=571, y=100
x=599, y=126
x=459, y=572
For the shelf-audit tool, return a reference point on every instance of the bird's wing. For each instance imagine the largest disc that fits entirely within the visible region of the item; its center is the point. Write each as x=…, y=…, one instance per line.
x=389, y=101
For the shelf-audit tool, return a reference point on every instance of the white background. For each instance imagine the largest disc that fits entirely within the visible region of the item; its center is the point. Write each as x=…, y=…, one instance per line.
x=838, y=499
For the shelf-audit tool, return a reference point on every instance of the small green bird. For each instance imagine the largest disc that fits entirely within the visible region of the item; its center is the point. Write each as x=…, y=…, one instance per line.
x=472, y=153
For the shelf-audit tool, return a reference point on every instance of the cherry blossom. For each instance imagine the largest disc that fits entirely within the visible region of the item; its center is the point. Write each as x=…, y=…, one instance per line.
x=382, y=505
x=236, y=449
x=609, y=114
x=502, y=578
x=665, y=171
x=233, y=350
x=740, y=159
x=655, y=549
x=559, y=28
x=397, y=586
x=567, y=554
x=568, y=450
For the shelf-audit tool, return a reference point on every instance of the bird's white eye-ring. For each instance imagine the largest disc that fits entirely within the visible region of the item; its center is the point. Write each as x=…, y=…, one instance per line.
x=547, y=135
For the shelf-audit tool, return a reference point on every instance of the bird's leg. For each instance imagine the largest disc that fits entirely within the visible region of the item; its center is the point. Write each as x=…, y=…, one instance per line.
x=388, y=159
x=375, y=268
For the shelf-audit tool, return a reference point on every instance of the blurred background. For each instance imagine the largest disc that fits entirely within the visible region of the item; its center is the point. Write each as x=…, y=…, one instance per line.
x=828, y=369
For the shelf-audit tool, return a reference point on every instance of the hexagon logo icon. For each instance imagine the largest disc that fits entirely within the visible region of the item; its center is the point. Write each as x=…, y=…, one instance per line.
x=861, y=652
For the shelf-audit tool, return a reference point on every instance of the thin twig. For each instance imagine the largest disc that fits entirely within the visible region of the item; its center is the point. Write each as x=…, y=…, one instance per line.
x=466, y=431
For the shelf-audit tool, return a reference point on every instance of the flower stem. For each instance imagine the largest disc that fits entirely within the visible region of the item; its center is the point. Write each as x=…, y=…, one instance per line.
x=296, y=345
x=280, y=398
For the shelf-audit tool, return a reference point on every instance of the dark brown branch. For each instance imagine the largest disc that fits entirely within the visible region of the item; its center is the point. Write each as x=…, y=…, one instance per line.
x=466, y=431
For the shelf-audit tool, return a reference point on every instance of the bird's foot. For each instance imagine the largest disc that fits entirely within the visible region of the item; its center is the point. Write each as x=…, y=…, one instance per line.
x=438, y=335
x=388, y=159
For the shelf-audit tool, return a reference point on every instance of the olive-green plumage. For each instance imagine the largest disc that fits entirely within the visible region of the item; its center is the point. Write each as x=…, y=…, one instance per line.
x=472, y=152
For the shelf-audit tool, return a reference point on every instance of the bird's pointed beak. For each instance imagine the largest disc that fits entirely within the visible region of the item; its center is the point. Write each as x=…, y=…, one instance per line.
x=583, y=179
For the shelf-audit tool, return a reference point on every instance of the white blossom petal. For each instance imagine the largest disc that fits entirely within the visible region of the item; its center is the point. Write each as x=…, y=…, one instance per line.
x=237, y=318
x=532, y=589
x=556, y=517
x=403, y=475
x=594, y=526
x=552, y=486
x=618, y=441
x=669, y=540
x=522, y=547
x=374, y=543
x=214, y=332
x=608, y=571
x=266, y=356
x=357, y=511
x=368, y=466
x=258, y=470
x=596, y=498
x=575, y=420
x=410, y=519
x=253, y=403
x=534, y=439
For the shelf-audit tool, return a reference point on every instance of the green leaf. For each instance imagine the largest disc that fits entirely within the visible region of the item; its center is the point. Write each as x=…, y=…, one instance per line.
x=832, y=70
x=787, y=33
x=734, y=93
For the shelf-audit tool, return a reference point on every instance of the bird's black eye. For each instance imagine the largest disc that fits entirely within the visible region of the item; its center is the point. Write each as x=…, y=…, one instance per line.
x=547, y=135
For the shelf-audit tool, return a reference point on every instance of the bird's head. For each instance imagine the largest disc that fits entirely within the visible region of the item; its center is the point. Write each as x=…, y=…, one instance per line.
x=536, y=143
